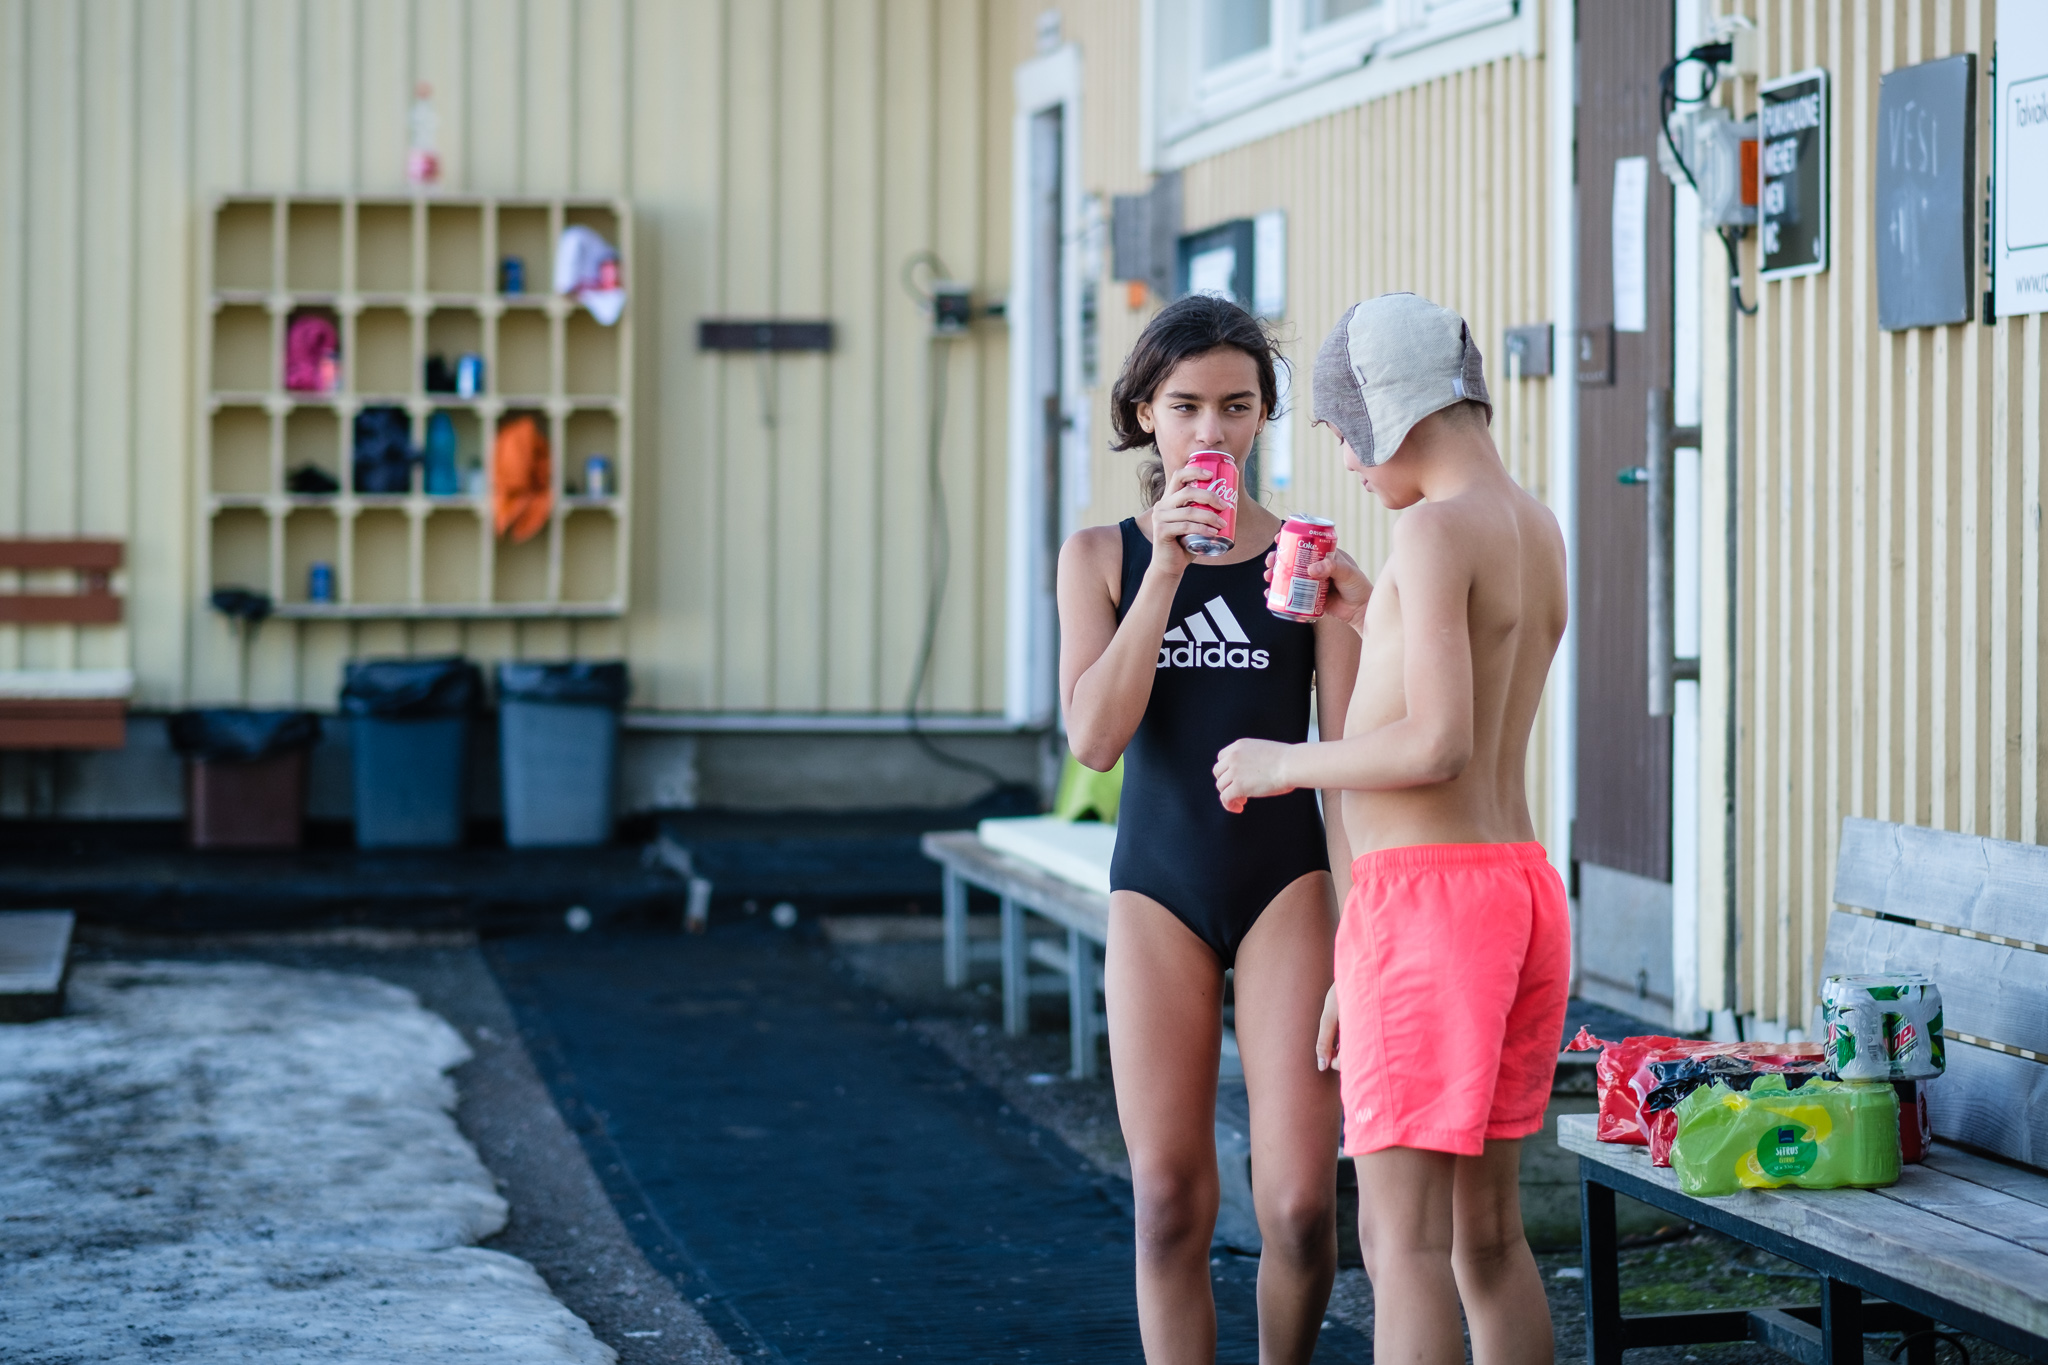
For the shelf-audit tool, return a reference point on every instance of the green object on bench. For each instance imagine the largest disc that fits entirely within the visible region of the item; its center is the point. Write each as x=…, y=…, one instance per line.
x=1083, y=791
x=1823, y=1136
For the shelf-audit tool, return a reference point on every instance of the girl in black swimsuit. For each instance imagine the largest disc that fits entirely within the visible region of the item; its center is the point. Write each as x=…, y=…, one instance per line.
x=1165, y=659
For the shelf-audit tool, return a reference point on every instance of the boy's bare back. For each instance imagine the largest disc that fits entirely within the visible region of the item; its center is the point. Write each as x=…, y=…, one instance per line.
x=1472, y=599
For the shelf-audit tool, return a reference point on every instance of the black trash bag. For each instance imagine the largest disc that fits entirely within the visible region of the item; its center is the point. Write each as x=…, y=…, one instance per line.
x=578, y=683
x=242, y=736
x=410, y=689
x=1681, y=1076
x=383, y=451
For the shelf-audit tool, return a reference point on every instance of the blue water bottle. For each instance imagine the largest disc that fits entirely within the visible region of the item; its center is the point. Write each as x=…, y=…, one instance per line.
x=441, y=472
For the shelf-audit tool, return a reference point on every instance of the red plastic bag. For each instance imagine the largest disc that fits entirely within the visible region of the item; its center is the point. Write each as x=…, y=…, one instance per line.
x=1620, y=1117
x=1623, y=1077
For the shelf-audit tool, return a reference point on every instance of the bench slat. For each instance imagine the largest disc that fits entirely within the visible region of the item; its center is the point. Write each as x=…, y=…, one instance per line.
x=1994, y=1101
x=1975, y=1267
x=1974, y=1206
x=1992, y=1175
x=95, y=555
x=1987, y=989
x=1986, y=885
x=1062, y=902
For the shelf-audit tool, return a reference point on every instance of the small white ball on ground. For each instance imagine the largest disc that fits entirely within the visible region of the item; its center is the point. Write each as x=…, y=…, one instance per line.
x=577, y=918
x=784, y=915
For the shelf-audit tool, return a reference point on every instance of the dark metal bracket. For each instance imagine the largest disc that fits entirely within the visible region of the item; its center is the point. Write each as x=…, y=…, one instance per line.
x=762, y=334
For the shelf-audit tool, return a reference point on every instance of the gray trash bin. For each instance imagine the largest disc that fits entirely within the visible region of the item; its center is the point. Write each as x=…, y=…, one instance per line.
x=409, y=732
x=558, y=748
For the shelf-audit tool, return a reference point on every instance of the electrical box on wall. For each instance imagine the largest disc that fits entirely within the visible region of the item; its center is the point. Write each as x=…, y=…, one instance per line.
x=952, y=308
x=1721, y=154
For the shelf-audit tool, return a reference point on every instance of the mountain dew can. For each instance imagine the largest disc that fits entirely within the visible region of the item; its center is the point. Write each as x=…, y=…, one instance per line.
x=1884, y=1026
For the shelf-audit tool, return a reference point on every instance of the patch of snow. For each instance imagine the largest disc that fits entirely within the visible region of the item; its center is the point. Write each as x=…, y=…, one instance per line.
x=232, y=1160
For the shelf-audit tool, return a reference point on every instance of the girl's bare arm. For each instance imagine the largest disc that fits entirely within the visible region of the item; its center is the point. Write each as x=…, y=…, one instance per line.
x=1105, y=667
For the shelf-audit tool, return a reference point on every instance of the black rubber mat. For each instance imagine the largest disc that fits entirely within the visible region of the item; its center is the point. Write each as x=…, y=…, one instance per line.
x=827, y=1186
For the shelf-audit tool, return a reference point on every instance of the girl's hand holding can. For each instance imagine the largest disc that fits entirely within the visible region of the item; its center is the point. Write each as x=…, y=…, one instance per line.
x=1187, y=508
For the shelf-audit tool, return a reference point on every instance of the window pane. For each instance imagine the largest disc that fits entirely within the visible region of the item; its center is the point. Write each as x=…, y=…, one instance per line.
x=1234, y=28
x=1322, y=12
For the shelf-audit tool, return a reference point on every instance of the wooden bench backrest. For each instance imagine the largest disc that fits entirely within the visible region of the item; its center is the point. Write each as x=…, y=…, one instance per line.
x=1973, y=914
x=92, y=560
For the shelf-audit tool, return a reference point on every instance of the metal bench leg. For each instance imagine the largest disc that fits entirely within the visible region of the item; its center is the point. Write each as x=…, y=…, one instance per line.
x=1841, y=1323
x=1081, y=1004
x=1016, y=972
x=1919, y=1350
x=1600, y=1258
x=953, y=901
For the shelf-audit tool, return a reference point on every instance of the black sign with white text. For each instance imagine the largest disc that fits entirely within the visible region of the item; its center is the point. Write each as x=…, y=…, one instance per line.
x=1792, y=215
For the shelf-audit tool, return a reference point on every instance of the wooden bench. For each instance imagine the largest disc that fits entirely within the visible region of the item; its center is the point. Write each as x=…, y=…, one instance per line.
x=1027, y=890
x=1961, y=1240
x=63, y=708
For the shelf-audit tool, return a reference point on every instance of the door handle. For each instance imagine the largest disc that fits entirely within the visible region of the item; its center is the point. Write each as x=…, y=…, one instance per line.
x=1661, y=440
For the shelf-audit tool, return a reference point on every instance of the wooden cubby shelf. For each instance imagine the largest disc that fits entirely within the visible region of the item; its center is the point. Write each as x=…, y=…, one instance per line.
x=402, y=279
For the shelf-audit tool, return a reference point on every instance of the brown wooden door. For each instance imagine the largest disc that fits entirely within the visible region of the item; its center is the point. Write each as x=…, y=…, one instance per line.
x=1624, y=753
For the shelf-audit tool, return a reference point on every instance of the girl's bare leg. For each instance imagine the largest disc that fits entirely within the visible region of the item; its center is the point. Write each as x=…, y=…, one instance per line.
x=1165, y=1001
x=1283, y=970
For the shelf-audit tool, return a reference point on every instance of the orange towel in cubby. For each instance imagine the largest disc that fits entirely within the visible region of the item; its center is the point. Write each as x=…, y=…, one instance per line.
x=521, y=494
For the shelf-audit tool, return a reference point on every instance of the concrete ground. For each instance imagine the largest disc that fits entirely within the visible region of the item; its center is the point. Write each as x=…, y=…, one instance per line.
x=1664, y=1267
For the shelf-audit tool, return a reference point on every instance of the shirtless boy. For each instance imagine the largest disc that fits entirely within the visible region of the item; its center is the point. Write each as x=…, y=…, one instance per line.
x=1453, y=953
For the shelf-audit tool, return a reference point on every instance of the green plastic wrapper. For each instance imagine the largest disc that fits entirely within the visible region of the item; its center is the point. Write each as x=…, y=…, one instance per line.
x=1823, y=1136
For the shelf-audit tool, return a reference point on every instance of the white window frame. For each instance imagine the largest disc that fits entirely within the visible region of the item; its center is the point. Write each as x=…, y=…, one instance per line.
x=1188, y=113
x=1031, y=631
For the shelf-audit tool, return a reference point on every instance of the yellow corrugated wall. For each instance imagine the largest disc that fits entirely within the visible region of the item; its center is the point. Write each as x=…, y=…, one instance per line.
x=1439, y=189
x=785, y=157
x=1889, y=557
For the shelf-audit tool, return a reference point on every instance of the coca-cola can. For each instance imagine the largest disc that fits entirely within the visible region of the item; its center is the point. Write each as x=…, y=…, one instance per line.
x=1217, y=473
x=1293, y=595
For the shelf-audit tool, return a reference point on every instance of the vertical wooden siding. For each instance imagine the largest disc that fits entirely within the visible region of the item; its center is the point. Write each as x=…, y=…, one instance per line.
x=1438, y=189
x=1889, y=506
x=785, y=156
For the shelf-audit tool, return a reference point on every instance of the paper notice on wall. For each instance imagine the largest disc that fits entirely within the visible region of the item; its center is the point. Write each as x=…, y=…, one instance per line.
x=1214, y=272
x=2020, y=215
x=1276, y=442
x=1269, y=264
x=1631, y=243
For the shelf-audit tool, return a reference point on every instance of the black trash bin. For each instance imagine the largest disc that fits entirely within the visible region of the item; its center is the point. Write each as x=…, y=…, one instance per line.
x=245, y=776
x=558, y=746
x=409, y=730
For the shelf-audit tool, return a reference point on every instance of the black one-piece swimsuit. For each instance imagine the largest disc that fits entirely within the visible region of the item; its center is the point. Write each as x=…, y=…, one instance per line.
x=1228, y=669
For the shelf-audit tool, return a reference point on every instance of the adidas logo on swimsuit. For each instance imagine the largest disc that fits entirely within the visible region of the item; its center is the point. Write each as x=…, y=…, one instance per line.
x=1194, y=643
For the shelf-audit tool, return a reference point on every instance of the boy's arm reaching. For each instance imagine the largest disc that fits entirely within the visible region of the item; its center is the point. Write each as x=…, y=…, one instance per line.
x=1432, y=577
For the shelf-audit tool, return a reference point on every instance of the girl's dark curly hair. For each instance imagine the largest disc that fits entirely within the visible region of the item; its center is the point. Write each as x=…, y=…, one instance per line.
x=1185, y=328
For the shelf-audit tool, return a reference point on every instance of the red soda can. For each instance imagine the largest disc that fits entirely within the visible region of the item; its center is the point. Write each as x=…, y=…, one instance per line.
x=1293, y=595
x=1218, y=474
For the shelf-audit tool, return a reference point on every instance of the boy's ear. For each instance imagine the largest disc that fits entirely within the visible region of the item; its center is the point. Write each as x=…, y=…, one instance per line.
x=1144, y=411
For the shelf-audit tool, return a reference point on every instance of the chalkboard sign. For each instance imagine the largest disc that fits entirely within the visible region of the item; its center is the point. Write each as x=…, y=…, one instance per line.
x=1792, y=128
x=1926, y=193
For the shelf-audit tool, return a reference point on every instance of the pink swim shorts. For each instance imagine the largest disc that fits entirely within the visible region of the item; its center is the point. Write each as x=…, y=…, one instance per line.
x=1453, y=966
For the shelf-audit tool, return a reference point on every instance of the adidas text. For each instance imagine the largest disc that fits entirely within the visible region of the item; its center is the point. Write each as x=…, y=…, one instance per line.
x=1210, y=638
